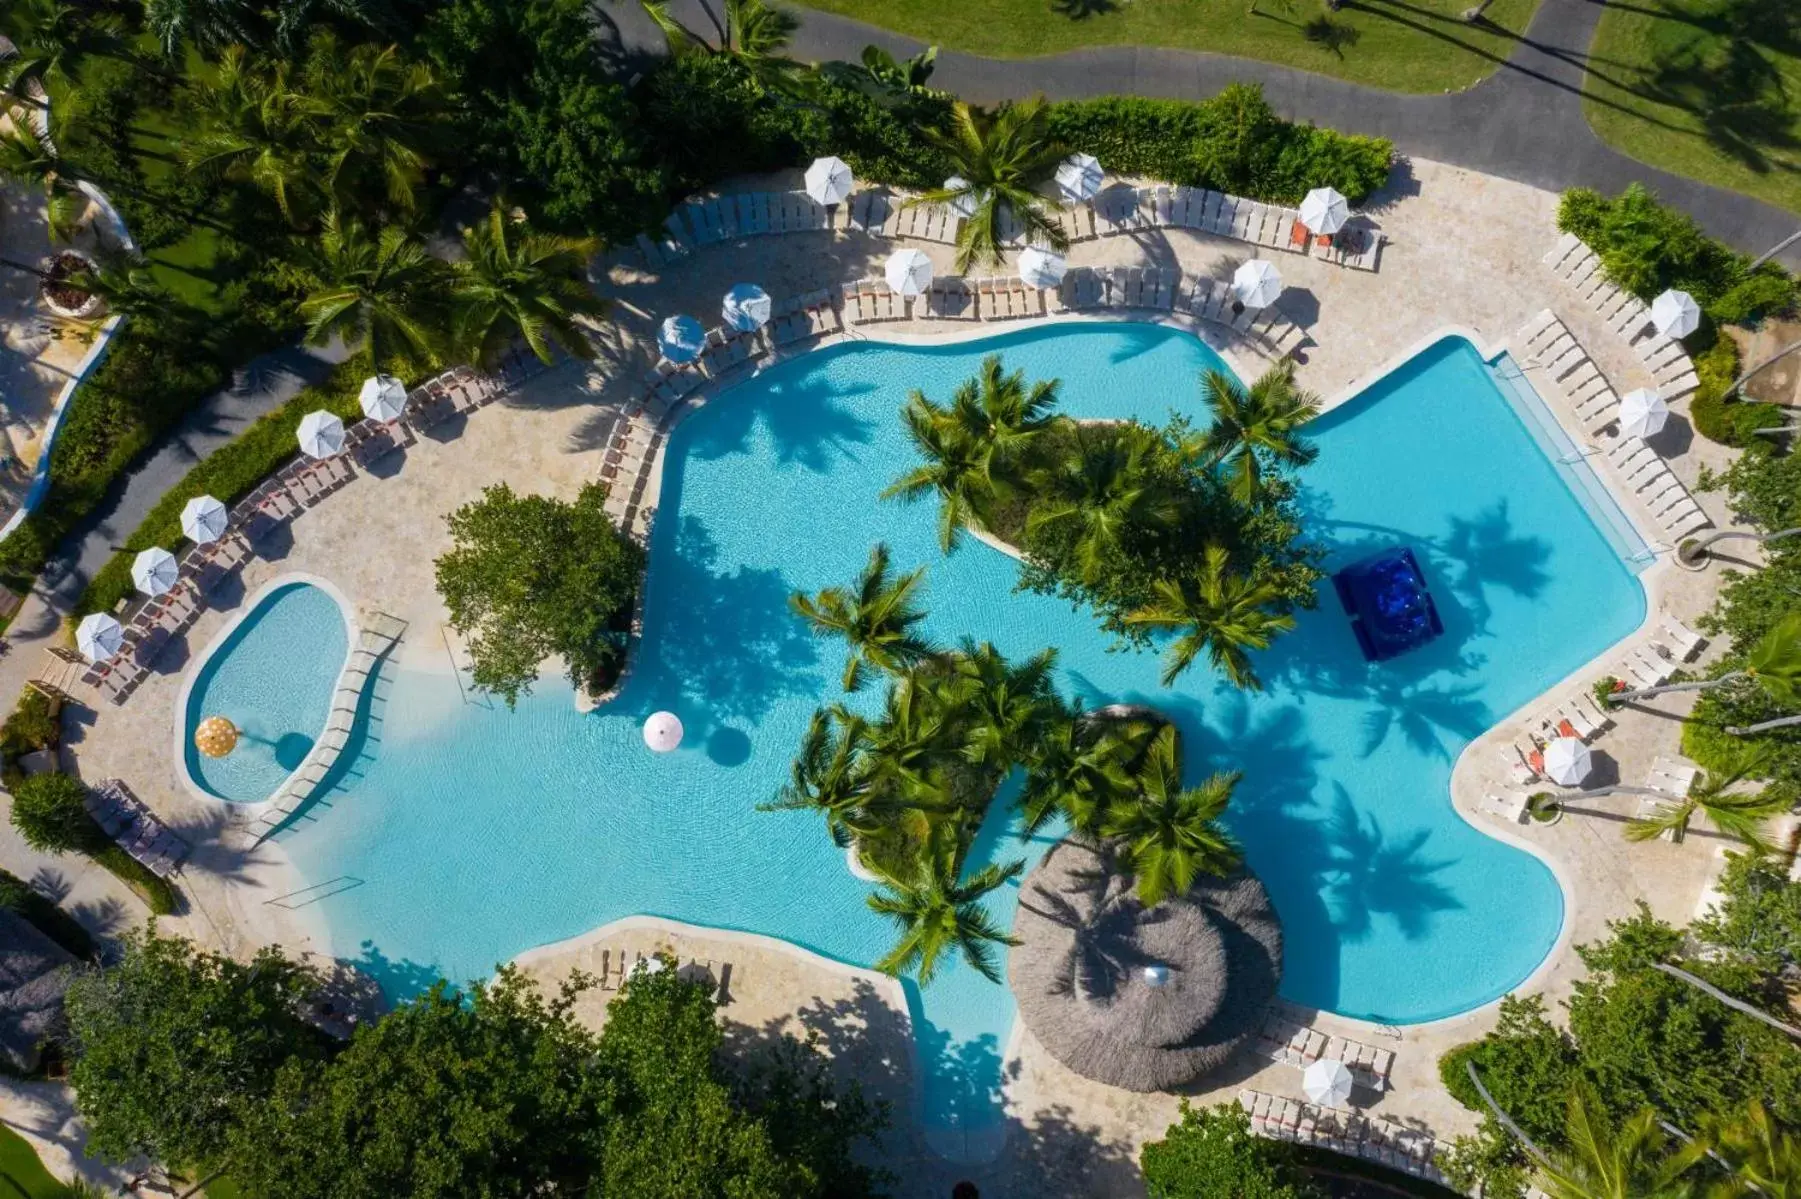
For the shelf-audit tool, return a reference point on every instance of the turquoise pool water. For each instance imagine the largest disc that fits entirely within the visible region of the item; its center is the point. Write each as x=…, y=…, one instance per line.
x=273, y=677
x=462, y=835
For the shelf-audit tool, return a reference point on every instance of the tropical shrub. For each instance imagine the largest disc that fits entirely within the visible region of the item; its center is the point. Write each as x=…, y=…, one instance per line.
x=50, y=812
x=1729, y=421
x=33, y=725
x=1212, y=1152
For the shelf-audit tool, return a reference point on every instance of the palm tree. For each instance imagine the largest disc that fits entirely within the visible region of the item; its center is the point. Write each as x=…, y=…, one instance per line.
x=517, y=283
x=1169, y=834
x=1634, y=1161
x=999, y=157
x=1006, y=708
x=939, y=914
x=295, y=18
x=957, y=468
x=55, y=38
x=830, y=777
x=876, y=619
x=1220, y=611
x=752, y=34
x=256, y=127
x=1255, y=426
x=1104, y=491
x=1736, y=813
x=1001, y=413
x=1078, y=769
x=906, y=745
x=1694, y=550
x=383, y=291
x=383, y=114
x=207, y=24
x=1774, y=664
x=127, y=284
x=27, y=161
x=1762, y=1159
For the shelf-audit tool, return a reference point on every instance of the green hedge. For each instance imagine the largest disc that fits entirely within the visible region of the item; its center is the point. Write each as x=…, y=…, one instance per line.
x=1729, y=422
x=154, y=891
x=229, y=473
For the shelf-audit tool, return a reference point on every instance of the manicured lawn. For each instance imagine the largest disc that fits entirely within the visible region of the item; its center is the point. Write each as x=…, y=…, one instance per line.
x=1705, y=88
x=22, y=1175
x=1403, y=45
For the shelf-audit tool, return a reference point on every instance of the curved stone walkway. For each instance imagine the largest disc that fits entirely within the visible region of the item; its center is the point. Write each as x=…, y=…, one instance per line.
x=1524, y=122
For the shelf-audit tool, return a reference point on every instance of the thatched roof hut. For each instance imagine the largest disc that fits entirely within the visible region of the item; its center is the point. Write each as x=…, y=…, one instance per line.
x=1146, y=999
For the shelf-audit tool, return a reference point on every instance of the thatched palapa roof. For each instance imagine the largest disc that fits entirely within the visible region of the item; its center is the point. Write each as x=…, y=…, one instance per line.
x=1146, y=999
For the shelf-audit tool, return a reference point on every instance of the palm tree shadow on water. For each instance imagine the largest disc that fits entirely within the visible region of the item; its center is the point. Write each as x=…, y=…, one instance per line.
x=803, y=413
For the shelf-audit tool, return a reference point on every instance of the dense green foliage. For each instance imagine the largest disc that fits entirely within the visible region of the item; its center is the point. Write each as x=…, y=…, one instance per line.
x=1639, y=1039
x=1730, y=420
x=532, y=576
x=50, y=812
x=1212, y=1152
x=32, y=725
x=496, y=1091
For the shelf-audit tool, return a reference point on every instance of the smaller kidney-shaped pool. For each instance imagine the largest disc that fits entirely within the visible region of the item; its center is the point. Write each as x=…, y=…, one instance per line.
x=272, y=674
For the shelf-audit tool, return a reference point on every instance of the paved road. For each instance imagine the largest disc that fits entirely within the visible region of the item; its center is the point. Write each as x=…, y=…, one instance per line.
x=1524, y=122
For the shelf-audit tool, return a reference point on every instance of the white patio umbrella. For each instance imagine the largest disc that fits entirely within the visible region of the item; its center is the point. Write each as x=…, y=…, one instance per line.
x=204, y=520
x=650, y=965
x=829, y=181
x=1257, y=283
x=747, y=307
x=1325, y=211
x=966, y=202
x=99, y=637
x=1328, y=1082
x=383, y=397
x=1041, y=268
x=681, y=339
x=909, y=272
x=1567, y=762
x=1642, y=413
x=1675, y=314
x=321, y=434
x=663, y=731
x=155, y=571
x=1079, y=177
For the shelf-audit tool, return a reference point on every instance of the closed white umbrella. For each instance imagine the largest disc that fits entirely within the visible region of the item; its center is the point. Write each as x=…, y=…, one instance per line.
x=681, y=339
x=663, y=731
x=155, y=571
x=909, y=272
x=1040, y=267
x=1675, y=313
x=1325, y=211
x=1327, y=1081
x=99, y=637
x=1257, y=283
x=204, y=520
x=747, y=308
x=829, y=181
x=1567, y=762
x=1642, y=413
x=964, y=204
x=1079, y=177
x=383, y=397
x=320, y=434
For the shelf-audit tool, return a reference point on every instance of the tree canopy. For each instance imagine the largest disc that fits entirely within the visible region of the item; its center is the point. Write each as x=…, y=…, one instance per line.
x=1211, y=1152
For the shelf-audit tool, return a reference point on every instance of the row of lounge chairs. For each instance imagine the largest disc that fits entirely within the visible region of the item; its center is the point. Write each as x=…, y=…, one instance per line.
x=130, y=822
x=1652, y=480
x=1290, y=1040
x=1669, y=363
x=1382, y=1141
x=615, y=968
x=1126, y=209
x=1673, y=778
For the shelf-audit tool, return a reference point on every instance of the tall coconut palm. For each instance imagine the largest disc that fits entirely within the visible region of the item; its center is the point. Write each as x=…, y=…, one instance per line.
x=906, y=744
x=516, y=283
x=1002, y=414
x=957, y=468
x=1256, y=426
x=127, y=284
x=1696, y=550
x=1774, y=664
x=1005, y=708
x=207, y=24
x=940, y=914
x=1739, y=814
x=749, y=33
x=1104, y=492
x=999, y=157
x=1218, y=610
x=295, y=19
x=382, y=290
x=1170, y=835
x=876, y=619
x=255, y=126
x=1077, y=770
x=54, y=38
x=1761, y=1158
x=382, y=116
x=830, y=777
x=1633, y=1161
x=26, y=160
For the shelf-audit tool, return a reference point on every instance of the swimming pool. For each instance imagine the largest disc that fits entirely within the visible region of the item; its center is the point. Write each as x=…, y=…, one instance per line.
x=273, y=676
x=463, y=835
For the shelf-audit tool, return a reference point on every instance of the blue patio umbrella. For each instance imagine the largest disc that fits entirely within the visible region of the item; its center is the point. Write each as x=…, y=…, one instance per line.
x=747, y=308
x=681, y=339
